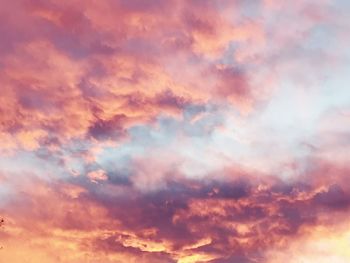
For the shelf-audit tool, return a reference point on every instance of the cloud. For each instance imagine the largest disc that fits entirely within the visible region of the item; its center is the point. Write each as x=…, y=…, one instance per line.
x=173, y=131
x=79, y=69
x=185, y=221
x=98, y=175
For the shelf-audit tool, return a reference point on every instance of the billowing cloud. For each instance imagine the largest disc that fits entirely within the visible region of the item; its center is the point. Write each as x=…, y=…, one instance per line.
x=174, y=131
x=203, y=220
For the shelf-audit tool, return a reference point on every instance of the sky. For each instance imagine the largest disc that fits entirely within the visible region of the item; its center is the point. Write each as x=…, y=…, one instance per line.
x=197, y=131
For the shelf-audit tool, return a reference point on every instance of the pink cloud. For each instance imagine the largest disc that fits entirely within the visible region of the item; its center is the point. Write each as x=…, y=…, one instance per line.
x=149, y=128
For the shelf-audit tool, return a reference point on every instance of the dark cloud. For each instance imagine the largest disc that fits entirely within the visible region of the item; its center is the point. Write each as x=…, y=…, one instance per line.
x=334, y=197
x=108, y=129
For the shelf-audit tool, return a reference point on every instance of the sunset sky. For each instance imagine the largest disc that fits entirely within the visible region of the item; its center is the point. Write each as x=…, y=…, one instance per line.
x=175, y=131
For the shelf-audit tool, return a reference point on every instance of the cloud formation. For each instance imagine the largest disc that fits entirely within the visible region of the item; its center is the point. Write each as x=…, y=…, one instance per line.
x=187, y=221
x=174, y=131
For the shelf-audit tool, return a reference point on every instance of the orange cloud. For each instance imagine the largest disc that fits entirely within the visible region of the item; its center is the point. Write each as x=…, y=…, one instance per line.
x=185, y=221
x=116, y=141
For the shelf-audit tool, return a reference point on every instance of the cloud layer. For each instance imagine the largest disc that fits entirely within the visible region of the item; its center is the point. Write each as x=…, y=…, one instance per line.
x=174, y=131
